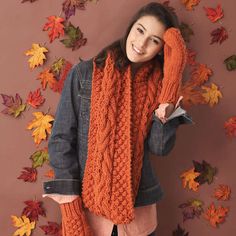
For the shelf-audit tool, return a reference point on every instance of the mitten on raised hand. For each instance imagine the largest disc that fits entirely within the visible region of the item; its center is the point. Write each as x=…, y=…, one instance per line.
x=74, y=221
x=175, y=56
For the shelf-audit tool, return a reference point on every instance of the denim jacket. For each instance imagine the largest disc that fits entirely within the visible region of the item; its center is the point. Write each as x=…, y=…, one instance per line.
x=68, y=143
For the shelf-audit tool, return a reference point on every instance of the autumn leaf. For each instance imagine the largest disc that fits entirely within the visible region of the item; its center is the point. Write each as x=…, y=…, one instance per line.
x=230, y=127
x=179, y=232
x=188, y=179
x=52, y=229
x=50, y=174
x=33, y=209
x=230, y=63
x=212, y=94
x=28, y=175
x=191, y=55
x=55, y=27
x=222, y=192
x=200, y=74
x=186, y=31
x=47, y=77
x=14, y=107
x=189, y=4
x=35, y=99
x=57, y=66
x=192, y=208
x=216, y=215
x=39, y=157
x=214, y=14
x=219, y=35
x=207, y=172
x=166, y=3
x=24, y=225
x=69, y=7
x=41, y=125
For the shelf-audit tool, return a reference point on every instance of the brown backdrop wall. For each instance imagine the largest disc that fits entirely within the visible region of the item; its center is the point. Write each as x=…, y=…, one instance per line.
x=21, y=25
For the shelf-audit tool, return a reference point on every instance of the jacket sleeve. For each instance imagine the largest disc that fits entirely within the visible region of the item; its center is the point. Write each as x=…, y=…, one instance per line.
x=62, y=145
x=161, y=137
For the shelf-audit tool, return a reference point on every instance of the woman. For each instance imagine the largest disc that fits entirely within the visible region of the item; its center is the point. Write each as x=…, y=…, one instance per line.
x=105, y=126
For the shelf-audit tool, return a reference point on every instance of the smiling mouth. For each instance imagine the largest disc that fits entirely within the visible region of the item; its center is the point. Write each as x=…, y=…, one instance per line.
x=137, y=50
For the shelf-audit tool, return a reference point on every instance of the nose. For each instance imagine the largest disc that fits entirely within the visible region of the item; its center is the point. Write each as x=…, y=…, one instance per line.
x=142, y=42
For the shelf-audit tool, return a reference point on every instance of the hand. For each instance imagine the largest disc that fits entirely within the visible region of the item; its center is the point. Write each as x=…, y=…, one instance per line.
x=60, y=198
x=164, y=111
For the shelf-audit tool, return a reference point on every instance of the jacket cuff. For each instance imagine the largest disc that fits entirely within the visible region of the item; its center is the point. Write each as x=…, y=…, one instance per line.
x=63, y=186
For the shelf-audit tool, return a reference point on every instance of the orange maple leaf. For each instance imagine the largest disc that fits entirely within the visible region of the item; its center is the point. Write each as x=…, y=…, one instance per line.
x=42, y=126
x=190, y=3
x=47, y=77
x=222, y=192
x=50, y=174
x=214, y=215
x=56, y=27
x=230, y=127
x=214, y=14
x=35, y=99
x=188, y=179
x=212, y=94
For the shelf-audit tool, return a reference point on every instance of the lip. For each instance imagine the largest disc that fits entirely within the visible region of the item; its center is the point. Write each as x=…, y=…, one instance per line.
x=137, y=50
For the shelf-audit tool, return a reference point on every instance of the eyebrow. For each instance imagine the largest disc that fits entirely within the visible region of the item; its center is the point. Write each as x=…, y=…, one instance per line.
x=153, y=35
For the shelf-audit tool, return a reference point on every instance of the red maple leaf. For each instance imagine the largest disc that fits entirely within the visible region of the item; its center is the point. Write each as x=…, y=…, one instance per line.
x=29, y=175
x=35, y=99
x=219, y=35
x=52, y=229
x=230, y=127
x=214, y=14
x=33, y=210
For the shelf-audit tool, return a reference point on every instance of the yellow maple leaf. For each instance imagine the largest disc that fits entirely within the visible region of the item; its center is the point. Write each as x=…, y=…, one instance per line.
x=47, y=77
x=42, y=126
x=212, y=94
x=24, y=225
x=37, y=54
x=188, y=179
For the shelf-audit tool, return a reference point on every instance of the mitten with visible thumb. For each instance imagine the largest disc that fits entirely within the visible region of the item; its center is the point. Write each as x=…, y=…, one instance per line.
x=74, y=219
x=175, y=57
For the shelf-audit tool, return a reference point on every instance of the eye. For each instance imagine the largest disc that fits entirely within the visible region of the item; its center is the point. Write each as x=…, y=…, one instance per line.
x=155, y=41
x=140, y=30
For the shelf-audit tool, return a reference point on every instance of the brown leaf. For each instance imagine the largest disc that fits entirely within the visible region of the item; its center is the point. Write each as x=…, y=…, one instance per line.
x=33, y=210
x=219, y=35
x=28, y=175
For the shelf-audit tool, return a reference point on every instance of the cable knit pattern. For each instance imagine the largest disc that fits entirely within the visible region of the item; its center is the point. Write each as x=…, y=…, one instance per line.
x=175, y=56
x=120, y=116
x=73, y=219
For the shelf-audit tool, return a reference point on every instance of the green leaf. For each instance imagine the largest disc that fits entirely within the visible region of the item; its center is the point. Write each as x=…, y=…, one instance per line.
x=230, y=62
x=39, y=158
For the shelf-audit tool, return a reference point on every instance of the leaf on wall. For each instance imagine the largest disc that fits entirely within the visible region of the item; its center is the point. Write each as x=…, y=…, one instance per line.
x=35, y=98
x=33, y=209
x=41, y=125
x=24, y=225
x=188, y=179
x=50, y=174
x=14, y=107
x=222, y=192
x=47, y=77
x=186, y=31
x=179, y=232
x=191, y=56
x=54, y=27
x=28, y=174
x=230, y=127
x=211, y=94
x=39, y=157
x=57, y=66
x=207, y=172
x=37, y=55
x=214, y=14
x=69, y=7
x=189, y=4
x=167, y=4
x=230, y=62
x=52, y=228
x=219, y=35
x=216, y=215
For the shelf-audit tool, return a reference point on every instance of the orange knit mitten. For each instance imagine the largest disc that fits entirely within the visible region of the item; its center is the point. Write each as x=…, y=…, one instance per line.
x=175, y=56
x=73, y=219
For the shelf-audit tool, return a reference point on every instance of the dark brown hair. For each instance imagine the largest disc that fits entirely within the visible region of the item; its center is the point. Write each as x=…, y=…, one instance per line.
x=163, y=14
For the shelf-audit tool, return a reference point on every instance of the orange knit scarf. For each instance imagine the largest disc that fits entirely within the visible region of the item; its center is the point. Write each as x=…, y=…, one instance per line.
x=120, y=116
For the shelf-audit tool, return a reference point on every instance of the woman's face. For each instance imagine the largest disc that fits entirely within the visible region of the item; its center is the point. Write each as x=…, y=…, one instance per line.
x=145, y=39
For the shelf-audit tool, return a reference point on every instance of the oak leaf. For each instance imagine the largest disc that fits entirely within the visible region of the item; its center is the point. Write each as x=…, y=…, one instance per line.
x=28, y=175
x=24, y=225
x=55, y=27
x=211, y=94
x=188, y=179
x=33, y=209
x=222, y=192
x=14, y=107
x=189, y=4
x=41, y=125
x=216, y=215
x=219, y=35
x=39, y=157
x=230, y=126
x=47, y=77
x=52, y=229
x=230, y=63
x=179, y=232
x=35, y=99
x=214, y=14
x=207, y=172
